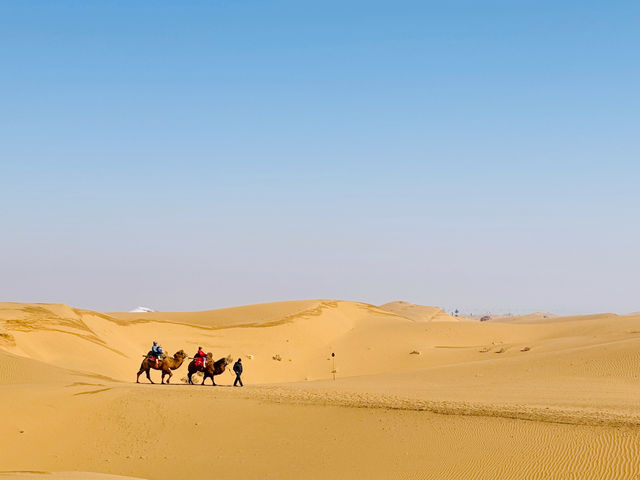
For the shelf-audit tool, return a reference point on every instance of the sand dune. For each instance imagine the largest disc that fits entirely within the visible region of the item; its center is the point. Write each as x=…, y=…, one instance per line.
x=535, y=317
x=412, y=386
x=418, y=313
x=265, y=314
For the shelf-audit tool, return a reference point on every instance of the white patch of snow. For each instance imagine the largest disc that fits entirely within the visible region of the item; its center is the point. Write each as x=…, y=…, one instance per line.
x=142, y=310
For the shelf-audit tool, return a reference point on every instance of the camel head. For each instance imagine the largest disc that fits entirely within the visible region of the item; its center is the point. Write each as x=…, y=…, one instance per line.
x=228, y=360
x=180, y=354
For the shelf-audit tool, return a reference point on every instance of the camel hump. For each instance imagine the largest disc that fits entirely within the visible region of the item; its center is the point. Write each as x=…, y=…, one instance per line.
x=209, y=356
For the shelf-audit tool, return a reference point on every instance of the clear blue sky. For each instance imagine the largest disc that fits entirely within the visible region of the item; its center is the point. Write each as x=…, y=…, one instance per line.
x=479, y=155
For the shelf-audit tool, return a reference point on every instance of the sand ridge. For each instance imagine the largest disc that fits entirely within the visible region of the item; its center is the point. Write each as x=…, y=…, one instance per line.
x=419, y=313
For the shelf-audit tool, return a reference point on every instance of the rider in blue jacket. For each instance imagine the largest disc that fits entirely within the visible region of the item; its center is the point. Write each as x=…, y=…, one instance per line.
x=157, y=350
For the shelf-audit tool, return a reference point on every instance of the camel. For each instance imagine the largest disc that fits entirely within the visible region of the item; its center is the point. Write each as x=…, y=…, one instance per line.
x=167, y=364
x=210, y=368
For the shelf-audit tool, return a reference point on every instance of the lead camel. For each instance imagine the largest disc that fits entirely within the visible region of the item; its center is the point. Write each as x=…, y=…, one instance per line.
x=166, y=365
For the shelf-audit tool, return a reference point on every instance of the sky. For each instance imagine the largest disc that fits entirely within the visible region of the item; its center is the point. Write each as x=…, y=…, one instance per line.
x=478, y=155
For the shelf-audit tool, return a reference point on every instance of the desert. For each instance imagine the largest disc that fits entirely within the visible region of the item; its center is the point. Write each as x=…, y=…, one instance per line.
x=335, y=240
x=431, y=396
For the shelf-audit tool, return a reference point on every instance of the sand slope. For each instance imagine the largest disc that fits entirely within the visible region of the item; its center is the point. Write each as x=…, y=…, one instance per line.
x=413, y=386
x=61, y=476
x=418, y=313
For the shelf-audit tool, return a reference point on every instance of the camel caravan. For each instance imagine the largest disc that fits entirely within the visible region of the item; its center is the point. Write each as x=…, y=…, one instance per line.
x=201, y=362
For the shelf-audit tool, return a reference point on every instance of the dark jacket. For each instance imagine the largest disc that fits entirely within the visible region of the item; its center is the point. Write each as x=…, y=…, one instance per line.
x=237, y=367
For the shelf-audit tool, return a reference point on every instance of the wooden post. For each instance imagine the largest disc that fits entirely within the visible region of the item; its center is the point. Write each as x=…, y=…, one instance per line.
x=333, y=364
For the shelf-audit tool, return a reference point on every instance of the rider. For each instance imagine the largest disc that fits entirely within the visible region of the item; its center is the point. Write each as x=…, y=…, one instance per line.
x=156, y=350
x=201, y=355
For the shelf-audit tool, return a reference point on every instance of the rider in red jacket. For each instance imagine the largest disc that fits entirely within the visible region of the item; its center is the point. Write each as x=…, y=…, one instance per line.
x=201, y=355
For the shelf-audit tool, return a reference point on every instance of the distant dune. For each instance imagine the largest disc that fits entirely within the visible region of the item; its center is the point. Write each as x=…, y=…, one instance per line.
x=535, y=317
x=563, y=388
x=250, y=315
x=418, y=313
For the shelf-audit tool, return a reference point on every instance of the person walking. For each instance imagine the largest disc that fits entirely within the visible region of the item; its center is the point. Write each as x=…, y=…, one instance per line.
x=237, y=367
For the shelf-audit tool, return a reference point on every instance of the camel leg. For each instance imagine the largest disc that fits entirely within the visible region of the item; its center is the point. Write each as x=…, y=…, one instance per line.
x=169, y=377
x=189, y=378
x=213, y=381
x=162, y=377
x=139, y=372
x=149, y=375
